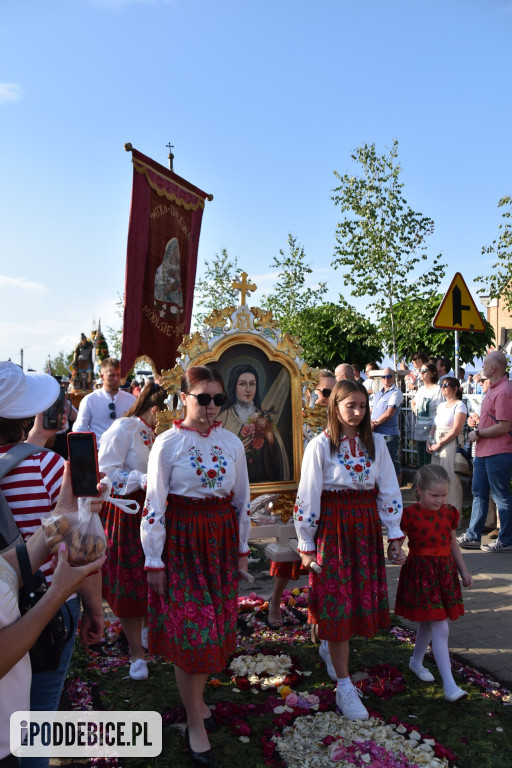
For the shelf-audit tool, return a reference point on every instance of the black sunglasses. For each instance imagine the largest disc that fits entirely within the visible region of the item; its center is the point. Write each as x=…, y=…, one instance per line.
x=204, y=399
x=112, y=407
x=325, y=392
x=424, y=370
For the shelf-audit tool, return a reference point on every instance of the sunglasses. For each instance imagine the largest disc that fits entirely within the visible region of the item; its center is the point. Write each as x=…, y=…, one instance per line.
x=325, y=392
x=204, y=399
x=112, y=408
x=424, y=370
x=387, y=376
x=445, y=384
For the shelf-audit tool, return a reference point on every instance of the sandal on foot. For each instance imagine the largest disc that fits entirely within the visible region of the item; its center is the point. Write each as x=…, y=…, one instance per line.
x=275, y=623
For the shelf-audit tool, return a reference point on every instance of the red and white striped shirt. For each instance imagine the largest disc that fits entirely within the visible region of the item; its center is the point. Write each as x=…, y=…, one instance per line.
x=31, y=490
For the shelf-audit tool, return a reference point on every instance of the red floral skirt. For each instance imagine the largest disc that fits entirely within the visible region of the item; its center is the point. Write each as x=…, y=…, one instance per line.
x=194, y=625
x=288, y=570
x=429, y=589
x=124, y=580
x=350, y=596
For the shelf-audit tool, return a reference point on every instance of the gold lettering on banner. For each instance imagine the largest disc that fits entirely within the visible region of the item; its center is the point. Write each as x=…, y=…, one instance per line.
x=168, y=329
x=163, y=209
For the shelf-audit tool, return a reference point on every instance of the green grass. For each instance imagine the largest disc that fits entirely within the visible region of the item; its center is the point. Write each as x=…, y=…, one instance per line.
x=468, y=729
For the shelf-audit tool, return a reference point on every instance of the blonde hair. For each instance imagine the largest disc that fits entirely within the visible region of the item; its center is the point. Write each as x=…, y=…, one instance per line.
x=428, y=476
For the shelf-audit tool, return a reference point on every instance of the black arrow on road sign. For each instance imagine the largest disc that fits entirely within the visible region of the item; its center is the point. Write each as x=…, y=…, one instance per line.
x=458, y=306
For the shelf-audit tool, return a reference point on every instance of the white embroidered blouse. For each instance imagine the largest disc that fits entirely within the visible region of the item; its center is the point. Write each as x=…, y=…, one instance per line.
x=124, y=454
x=342, y=470
x=187, y=463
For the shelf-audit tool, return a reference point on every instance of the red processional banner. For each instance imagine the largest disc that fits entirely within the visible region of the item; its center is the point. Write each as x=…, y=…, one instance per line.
x=163, y=238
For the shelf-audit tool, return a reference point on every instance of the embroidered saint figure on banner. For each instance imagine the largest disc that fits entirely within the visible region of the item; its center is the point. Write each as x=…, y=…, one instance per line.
x=168, y=277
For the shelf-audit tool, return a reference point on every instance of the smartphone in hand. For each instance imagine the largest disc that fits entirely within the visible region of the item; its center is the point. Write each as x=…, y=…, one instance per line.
x=52, y=417
x=83, y=461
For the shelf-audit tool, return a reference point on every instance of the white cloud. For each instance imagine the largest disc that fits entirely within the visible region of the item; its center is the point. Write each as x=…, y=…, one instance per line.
x=9, y=92
x=20, y=283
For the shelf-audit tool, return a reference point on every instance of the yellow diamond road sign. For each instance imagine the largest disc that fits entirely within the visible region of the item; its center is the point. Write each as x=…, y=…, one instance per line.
x=458, y=311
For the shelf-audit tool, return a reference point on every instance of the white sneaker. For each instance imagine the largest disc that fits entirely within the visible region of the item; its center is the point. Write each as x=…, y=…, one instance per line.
x=496, y=546
x=421, y=672
x=348, y=699
x=455, y=694
x=139, y=670
x=326, y=657
x=144, y=638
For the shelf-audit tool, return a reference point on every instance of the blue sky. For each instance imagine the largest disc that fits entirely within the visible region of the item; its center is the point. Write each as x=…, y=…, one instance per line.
x=262, y=102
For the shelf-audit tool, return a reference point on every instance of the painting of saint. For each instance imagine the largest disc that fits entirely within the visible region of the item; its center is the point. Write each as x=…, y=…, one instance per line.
x=255, y=418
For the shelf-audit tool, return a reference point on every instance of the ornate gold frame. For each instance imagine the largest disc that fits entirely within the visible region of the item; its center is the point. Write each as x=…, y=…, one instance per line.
x=244, y=325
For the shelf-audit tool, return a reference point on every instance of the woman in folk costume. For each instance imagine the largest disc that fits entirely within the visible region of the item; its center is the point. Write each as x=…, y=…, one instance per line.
x=123, y=457
x=348, y=487
x=194, y=532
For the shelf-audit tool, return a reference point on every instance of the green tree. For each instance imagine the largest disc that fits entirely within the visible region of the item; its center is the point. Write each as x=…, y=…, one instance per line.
x=334, y=333
x=414, y=331
x=213, y=290
x=290, y=295
x=381, y=242
x=59, y=363
x=498, y=281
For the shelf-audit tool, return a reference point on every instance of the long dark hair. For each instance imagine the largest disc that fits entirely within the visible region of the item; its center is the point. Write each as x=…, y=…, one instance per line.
x=433, y=370
x=152, y=395
x=342, y=390
x=14, y=430
x=234, y=375
x=454, y=384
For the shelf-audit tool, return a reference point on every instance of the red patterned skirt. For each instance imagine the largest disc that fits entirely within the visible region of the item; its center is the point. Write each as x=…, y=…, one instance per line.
x=350, y=596
x=124, y=579
x=288, y=570
x=194, y=625
x=429, y=589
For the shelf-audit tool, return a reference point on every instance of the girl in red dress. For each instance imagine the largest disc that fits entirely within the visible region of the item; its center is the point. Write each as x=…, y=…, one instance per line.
x=428, y=589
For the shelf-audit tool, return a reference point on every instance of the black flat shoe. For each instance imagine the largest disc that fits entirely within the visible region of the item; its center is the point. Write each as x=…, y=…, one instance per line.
x=210, y=724
x=201, y=758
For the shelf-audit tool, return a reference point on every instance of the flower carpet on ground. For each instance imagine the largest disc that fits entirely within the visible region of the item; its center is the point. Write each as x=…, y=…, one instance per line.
x=275, y=705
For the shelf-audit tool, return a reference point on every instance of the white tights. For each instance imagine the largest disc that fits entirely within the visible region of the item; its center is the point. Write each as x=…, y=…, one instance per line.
x=437, y=632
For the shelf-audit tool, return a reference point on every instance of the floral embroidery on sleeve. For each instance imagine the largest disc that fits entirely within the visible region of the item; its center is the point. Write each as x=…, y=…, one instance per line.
x=210, y=478
x=300, y=515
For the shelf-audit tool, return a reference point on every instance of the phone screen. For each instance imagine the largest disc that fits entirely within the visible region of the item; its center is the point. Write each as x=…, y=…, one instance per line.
x=53, y=415
x=83, y=461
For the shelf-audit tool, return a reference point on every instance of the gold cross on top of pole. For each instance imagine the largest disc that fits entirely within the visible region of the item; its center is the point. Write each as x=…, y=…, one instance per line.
x=244, y=287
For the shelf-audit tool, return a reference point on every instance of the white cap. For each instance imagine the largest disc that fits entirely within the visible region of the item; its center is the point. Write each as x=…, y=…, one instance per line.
x=23, y=395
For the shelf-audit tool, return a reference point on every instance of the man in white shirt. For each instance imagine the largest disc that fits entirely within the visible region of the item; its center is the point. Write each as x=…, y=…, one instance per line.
x=98, y=410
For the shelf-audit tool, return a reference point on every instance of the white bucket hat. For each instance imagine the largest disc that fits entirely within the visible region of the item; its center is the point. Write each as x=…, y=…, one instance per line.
x=23, y=395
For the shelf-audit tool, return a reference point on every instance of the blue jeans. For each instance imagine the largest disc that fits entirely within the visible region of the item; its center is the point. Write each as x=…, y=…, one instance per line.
x=492, y=474
x=392, y=444
x=46, y=688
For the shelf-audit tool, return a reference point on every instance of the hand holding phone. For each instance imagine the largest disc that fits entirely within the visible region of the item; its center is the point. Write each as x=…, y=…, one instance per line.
x=83, y=462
